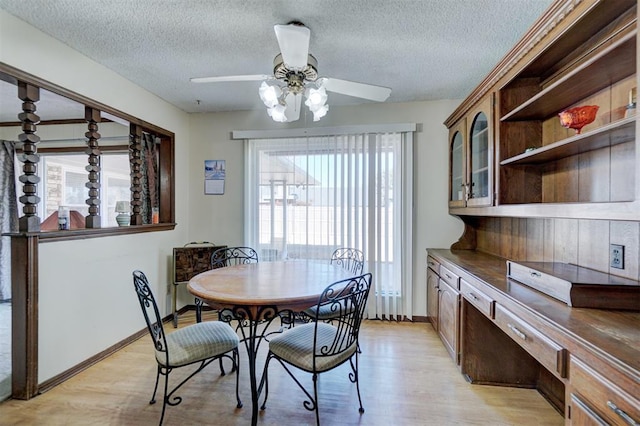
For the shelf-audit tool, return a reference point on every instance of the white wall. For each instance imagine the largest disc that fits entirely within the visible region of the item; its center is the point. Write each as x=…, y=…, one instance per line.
x=219, y=218
x=93, y=307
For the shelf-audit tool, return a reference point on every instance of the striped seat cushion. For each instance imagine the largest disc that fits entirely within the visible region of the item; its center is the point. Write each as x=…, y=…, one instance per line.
x=296, y=347
x=197, y=342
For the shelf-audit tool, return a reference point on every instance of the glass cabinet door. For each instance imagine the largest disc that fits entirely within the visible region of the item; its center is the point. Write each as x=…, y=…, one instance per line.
x=480, y=152
x=457, y=168
x=479, y=157
x=458, y=164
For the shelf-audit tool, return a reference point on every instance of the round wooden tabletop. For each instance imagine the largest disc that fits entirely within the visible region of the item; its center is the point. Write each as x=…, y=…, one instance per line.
x=291, y=284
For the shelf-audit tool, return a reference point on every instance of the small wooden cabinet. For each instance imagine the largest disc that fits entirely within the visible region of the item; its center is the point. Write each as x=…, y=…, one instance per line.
x=443, y=304
x=448, y=318
x=433, y=269
x=471, y=158
x=449, y=311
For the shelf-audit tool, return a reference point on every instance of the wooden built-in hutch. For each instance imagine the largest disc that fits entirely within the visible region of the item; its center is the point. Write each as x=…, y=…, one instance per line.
x=528, y=190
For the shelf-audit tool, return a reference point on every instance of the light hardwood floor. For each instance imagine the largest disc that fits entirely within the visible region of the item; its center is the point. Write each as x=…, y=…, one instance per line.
x=406, y=378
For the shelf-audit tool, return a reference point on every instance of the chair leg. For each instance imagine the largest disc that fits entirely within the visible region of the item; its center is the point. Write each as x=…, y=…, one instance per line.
x=222, y=373
x=225, y=317
x=236, y=367
x=315, y=397
x=199, y=304
x=265, y=381
x=356, y=381
x=155, y=388
x=165, y=398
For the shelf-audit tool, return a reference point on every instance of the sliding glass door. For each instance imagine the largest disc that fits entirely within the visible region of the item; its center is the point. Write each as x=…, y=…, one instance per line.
x=308, y=196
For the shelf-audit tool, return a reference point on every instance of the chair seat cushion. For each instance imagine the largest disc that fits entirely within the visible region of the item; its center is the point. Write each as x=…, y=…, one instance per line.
x=295, y=346
x=197, y=342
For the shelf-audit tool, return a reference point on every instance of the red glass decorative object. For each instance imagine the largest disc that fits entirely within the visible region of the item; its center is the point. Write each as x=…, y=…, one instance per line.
x=578, y=117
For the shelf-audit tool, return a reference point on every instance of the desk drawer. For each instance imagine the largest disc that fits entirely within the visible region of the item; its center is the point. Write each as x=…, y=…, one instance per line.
x=547, y=284
x=452, y=279
x=477, y=298
x=602, y=396
x=547, y=352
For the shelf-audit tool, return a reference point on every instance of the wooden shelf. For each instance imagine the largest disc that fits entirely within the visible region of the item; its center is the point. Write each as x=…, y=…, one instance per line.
x=612, y=64
x=614, y=133
x=620, y=210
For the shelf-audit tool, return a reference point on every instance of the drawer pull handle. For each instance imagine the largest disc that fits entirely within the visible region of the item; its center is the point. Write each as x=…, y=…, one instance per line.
x=536, y=274
x=432, y=263
x=473, y=296
x=448, y=276
x=517, y=332
x=627, y=418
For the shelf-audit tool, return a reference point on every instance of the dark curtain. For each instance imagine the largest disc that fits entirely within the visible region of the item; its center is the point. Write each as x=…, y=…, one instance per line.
x=8, y=214
x=149, y=179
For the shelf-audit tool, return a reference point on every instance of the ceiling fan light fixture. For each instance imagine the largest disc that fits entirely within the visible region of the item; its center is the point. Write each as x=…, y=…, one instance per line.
x=277, y=113
x=320, y=112
x=270, y=95
x=316, y=98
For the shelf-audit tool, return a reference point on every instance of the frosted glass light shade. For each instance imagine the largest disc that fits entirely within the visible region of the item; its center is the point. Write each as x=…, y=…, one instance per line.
x=269, y=94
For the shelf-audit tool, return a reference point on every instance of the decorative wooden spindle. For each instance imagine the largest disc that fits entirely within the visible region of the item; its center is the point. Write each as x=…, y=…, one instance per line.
x=29, y=95
x=92, y=116
x=135, y=162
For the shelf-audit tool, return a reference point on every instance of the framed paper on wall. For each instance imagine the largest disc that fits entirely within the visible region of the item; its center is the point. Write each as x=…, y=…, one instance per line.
x=214, y=176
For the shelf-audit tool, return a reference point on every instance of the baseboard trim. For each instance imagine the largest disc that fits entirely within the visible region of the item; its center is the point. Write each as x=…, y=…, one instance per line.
x=66, y=375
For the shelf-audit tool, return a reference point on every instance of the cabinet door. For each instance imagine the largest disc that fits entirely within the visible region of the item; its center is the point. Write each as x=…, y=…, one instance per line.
x=457, y=165
x=432, y=297
x=480, y=153
x=448, y=318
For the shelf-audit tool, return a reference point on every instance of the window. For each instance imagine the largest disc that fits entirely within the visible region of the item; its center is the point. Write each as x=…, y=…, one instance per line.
x=307, y=196
x=63, y=179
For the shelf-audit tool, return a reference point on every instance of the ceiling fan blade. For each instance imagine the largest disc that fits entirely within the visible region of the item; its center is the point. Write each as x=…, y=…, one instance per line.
x=294, y=102
x=256, y=77
x=293, y=40
x=359, y=90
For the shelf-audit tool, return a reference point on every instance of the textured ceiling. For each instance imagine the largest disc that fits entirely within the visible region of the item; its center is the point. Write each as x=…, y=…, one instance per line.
x=422, y=49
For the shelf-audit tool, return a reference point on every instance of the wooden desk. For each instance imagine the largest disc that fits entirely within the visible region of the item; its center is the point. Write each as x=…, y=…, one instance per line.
x=510, y=334
x=257, y=292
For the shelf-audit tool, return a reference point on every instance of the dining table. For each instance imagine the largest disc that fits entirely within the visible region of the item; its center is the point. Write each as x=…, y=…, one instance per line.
x=256, y=294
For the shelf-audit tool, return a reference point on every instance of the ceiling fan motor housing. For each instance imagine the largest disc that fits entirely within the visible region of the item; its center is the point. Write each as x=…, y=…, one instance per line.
x=295, y=78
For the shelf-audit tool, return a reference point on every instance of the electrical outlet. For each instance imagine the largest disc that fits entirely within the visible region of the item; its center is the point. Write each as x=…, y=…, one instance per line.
x=616, y=258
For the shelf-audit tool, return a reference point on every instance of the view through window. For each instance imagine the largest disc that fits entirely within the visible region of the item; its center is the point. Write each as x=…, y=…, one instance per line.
x=309, y=196
x=63, y=179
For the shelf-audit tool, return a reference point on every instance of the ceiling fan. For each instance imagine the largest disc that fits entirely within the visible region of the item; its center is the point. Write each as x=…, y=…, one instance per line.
x=295, y=73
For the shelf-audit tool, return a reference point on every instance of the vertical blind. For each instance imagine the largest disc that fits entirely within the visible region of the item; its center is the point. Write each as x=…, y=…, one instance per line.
x=306, y=196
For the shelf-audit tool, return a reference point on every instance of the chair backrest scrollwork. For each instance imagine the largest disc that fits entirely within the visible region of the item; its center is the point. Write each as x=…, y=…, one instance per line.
x=151, y=313
x=350, y=259
x=233, y=256
x=347, y=300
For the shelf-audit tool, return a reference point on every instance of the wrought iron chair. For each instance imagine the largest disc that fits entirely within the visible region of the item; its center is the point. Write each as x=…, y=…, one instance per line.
x=226, y=257
x=319, y=346
x=350, y=259
x=198, y=343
